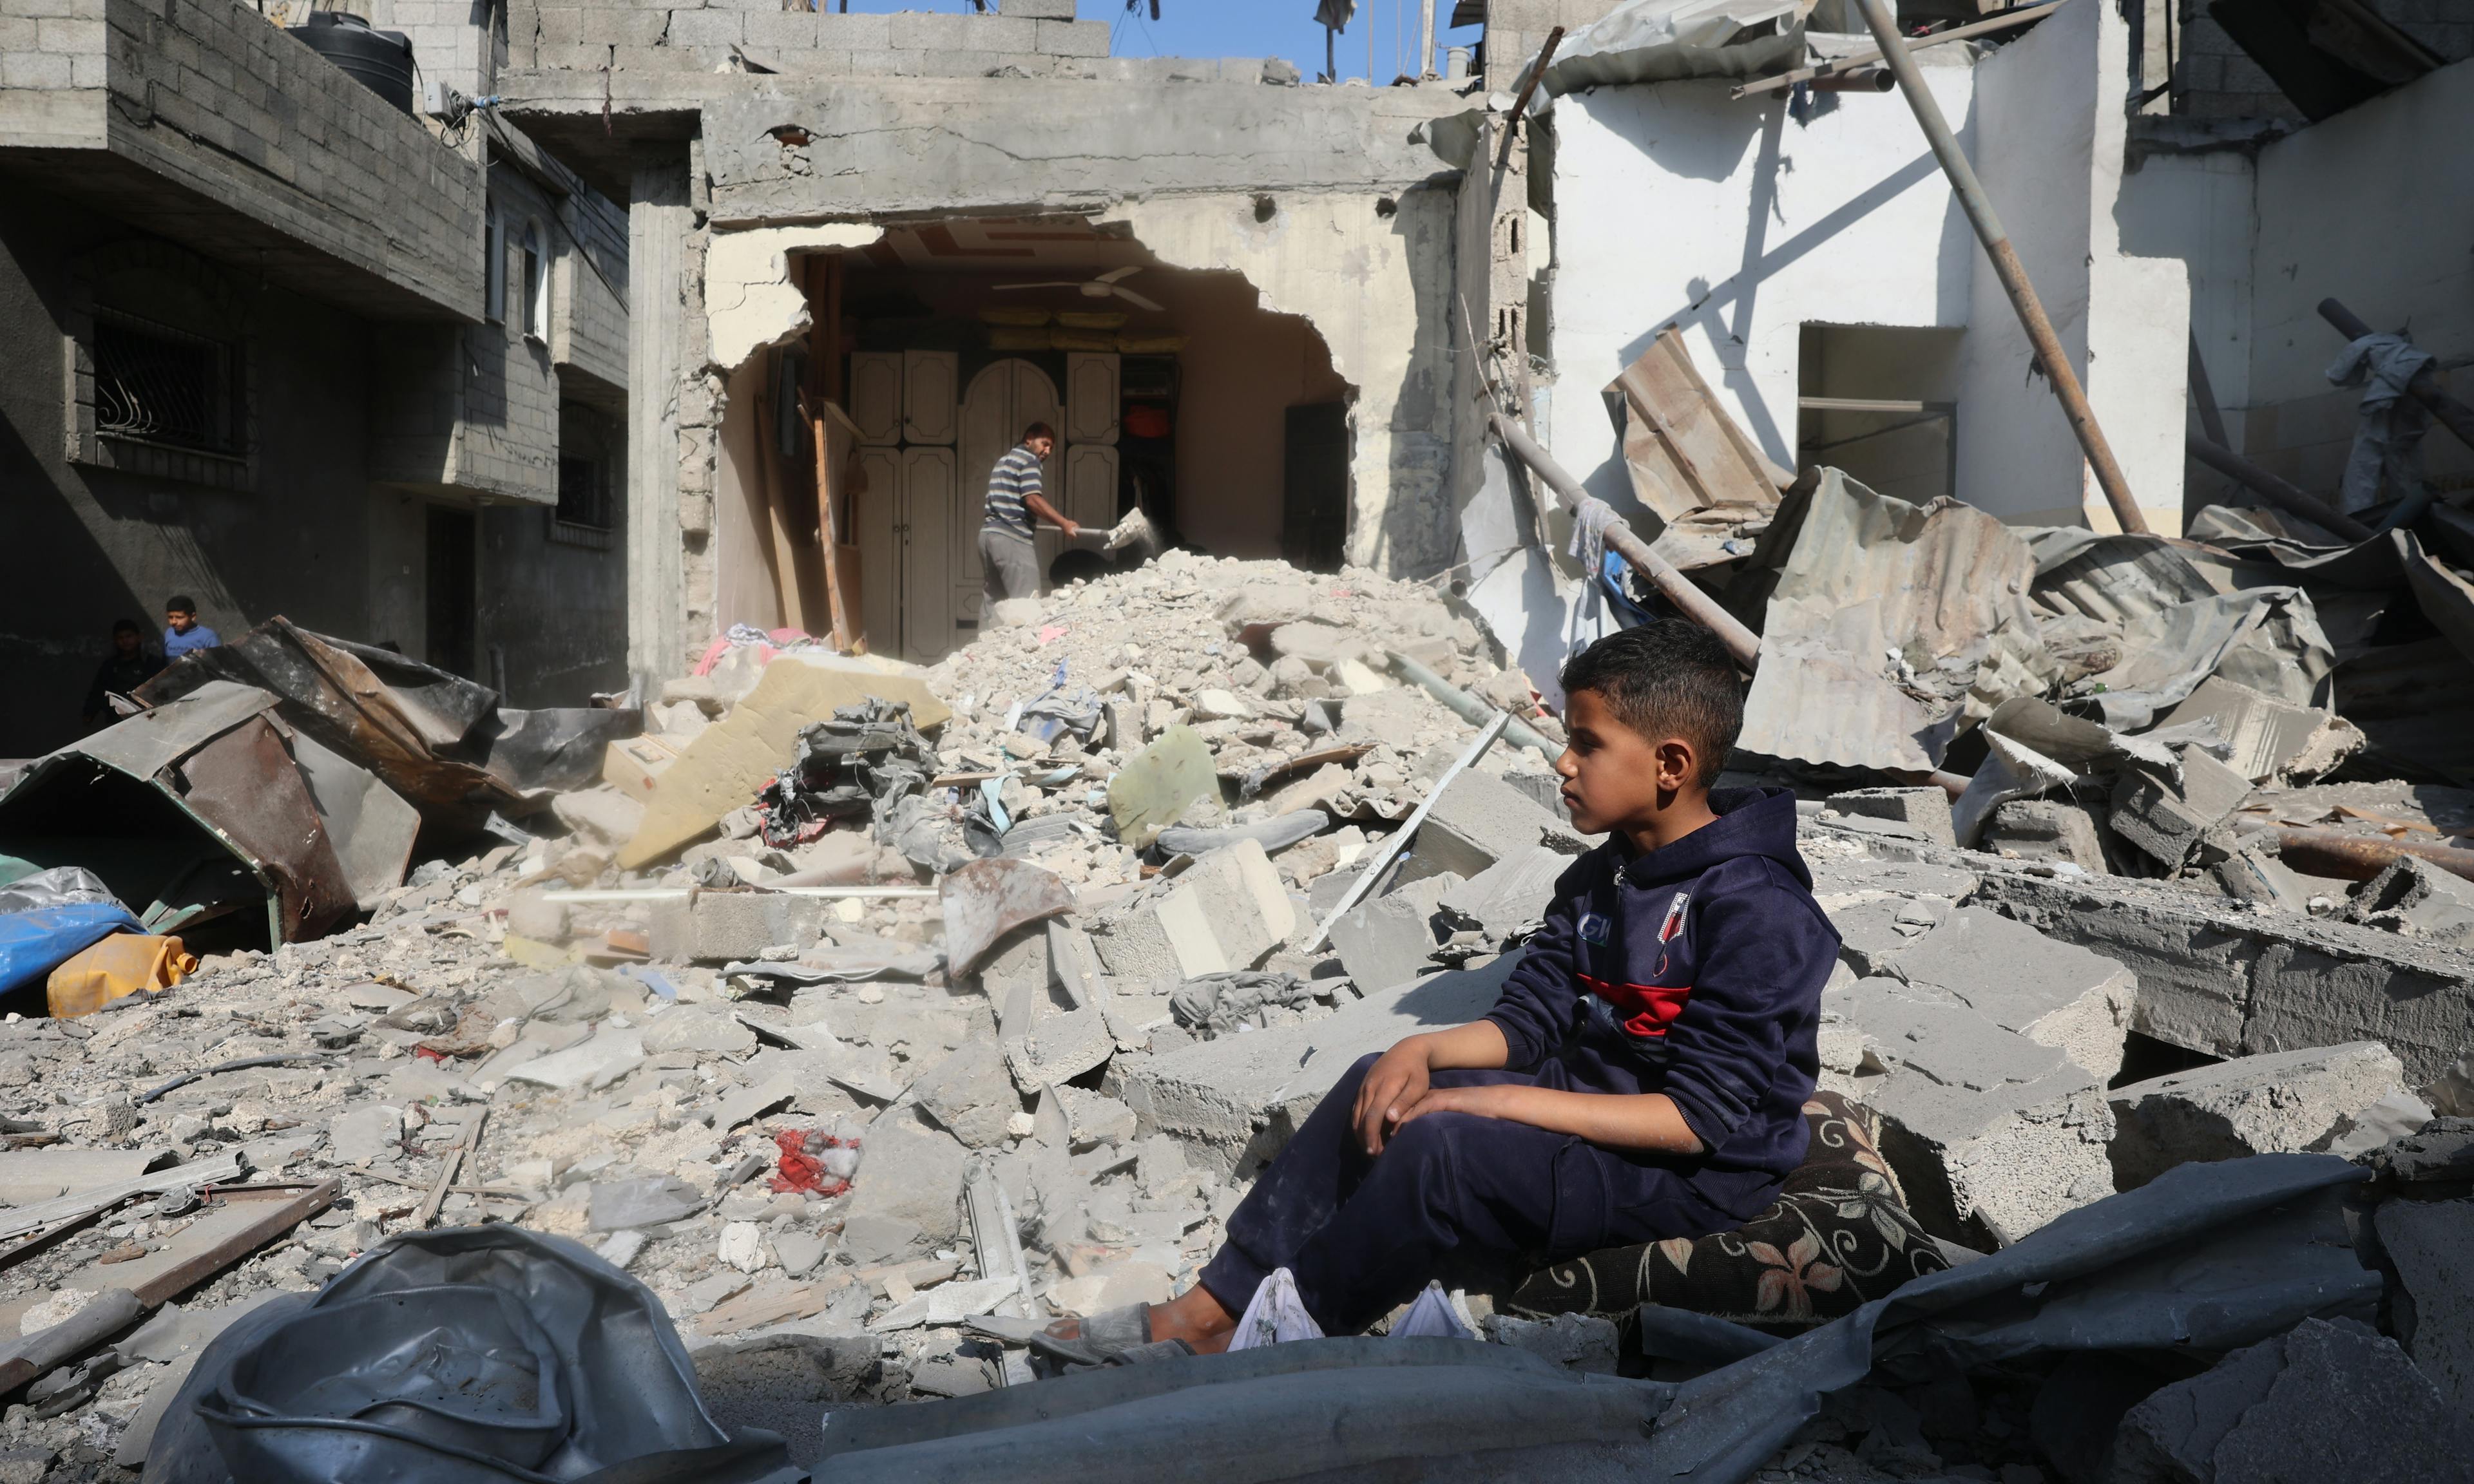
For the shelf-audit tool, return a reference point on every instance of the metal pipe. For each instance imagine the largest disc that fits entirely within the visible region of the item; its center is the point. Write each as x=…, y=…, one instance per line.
x=2285, y=496
x=1676, y=588
x=2007, y=266
x=1426, y=41
x=1521, y=104
x=2326, y=852
x=1859, y=79
x=2425, y=388
x=1469, y=708
x=1854, y=59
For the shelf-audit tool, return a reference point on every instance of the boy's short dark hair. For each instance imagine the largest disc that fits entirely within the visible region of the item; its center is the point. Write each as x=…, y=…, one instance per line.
x=1039, y=430
x=1668, y=678
x=121, y=626
x=180, y=603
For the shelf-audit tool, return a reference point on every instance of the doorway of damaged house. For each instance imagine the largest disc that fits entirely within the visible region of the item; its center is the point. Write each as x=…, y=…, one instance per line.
x=1173, y=390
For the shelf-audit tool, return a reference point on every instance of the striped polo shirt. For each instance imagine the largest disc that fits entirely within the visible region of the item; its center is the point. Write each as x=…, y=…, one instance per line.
x=1016, y=475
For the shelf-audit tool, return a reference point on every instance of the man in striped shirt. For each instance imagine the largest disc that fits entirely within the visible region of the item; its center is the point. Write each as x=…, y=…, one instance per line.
x=1008, y=562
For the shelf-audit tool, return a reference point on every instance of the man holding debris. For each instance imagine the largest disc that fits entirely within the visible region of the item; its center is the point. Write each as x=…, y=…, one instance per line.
x=1008, y=562
x=130, y=665
x=1642, y=1077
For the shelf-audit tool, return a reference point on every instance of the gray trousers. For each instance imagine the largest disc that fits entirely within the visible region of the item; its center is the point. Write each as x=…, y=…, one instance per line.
x=1008, y=566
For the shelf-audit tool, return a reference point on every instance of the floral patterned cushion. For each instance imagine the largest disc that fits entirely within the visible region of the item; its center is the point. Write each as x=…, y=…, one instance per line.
x=1839, y=1237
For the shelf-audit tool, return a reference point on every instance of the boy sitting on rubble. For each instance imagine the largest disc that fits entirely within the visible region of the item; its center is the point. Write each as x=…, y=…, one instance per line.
x=1642, y=1075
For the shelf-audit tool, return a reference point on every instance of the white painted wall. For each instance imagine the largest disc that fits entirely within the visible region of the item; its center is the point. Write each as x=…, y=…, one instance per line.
x=2200, y=208
x=2374, y=207
x=1678, y=206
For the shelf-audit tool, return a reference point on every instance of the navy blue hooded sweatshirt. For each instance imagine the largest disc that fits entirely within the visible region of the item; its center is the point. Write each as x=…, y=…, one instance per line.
x=1694, y=971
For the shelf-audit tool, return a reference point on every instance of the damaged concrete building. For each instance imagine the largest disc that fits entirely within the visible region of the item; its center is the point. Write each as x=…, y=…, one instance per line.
x=874, y=975
x=282, y=346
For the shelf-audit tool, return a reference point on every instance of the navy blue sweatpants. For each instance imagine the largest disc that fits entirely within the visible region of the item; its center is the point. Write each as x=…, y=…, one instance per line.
x=1363, y=1234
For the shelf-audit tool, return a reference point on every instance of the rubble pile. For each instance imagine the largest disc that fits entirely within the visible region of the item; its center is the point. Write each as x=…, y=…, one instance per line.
x=868, y=1016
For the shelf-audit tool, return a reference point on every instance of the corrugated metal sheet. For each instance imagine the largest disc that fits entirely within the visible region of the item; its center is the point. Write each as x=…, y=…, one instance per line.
x=1895, y=621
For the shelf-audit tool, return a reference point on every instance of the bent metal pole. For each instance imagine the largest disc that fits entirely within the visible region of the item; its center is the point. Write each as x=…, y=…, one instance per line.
x=2006, y=266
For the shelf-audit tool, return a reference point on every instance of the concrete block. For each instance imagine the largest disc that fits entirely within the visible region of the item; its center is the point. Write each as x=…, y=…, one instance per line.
x=1228, y=911
x=2166, y=818
x=2227, y=981
x=970, y=1095
x=708, y=28
x=909, y=1173
x=2328, y=1400
x=1059, y=1048
x=2430, y=1244
x=2054, y=993
x=1267, y=602
x=1509, y=893
x=2417, y=898
x=1095, y=1117
x=1481, y=820
x=1038, y=10
x=1072, y=37
x=2275, y=1104
x=1234, y=1103
x=1391, y=938
x=845, y=33
x=718, y=927
x=923, y=32
x=1924, y=812
x=1165, y=936
x=1991, y=1134
x=2047, y=830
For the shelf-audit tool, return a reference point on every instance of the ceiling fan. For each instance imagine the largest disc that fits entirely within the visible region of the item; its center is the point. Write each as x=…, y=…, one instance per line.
x=1101, y=287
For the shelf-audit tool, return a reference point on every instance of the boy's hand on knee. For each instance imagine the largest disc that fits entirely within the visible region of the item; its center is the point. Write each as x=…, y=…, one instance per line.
x=1393, y=1085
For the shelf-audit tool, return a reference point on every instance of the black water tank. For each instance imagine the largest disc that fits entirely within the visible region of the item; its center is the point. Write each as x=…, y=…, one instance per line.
x=380, y=60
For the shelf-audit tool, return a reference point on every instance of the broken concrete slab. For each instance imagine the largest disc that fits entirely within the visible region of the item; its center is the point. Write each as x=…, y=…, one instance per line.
x=1059, y=1048
x=603, y=815
x=2166, y=818
x=1480, y=820
x=610, y=1055
x=621, y=1205
x=2273, y=1104
x=697, y=1029
x=2046, y=829
x=2254, y=873
x=359, y=1135
x=1391, y=939
x=29, y=1177
x=1922, y=813
x=2227, y=981
x=969, y=1094
x=1228, y=911
x=1233, y=1103
x=2054, y=993
x=1992, y=1134
x=2431, y=1245
x=721, y=927
x=2328, y=1401
x=1509, y=892
x=912, y=1175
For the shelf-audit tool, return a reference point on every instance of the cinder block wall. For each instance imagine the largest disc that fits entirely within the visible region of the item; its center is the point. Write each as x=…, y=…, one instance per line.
x=1035, y=38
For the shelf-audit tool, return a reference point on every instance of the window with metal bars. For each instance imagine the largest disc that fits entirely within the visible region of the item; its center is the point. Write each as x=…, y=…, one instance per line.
x=161, y=384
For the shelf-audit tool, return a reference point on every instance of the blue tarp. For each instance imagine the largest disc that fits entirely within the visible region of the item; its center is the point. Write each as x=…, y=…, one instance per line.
x=34, y=943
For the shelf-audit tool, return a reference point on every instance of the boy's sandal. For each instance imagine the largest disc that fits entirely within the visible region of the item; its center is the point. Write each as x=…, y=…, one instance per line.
x=1106, y=1336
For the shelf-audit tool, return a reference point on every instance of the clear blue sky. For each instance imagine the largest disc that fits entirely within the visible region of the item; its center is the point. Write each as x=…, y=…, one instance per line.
x=1250, y=28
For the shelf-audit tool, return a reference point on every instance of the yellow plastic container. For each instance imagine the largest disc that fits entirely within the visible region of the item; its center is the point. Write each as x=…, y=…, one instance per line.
x=122, y=963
